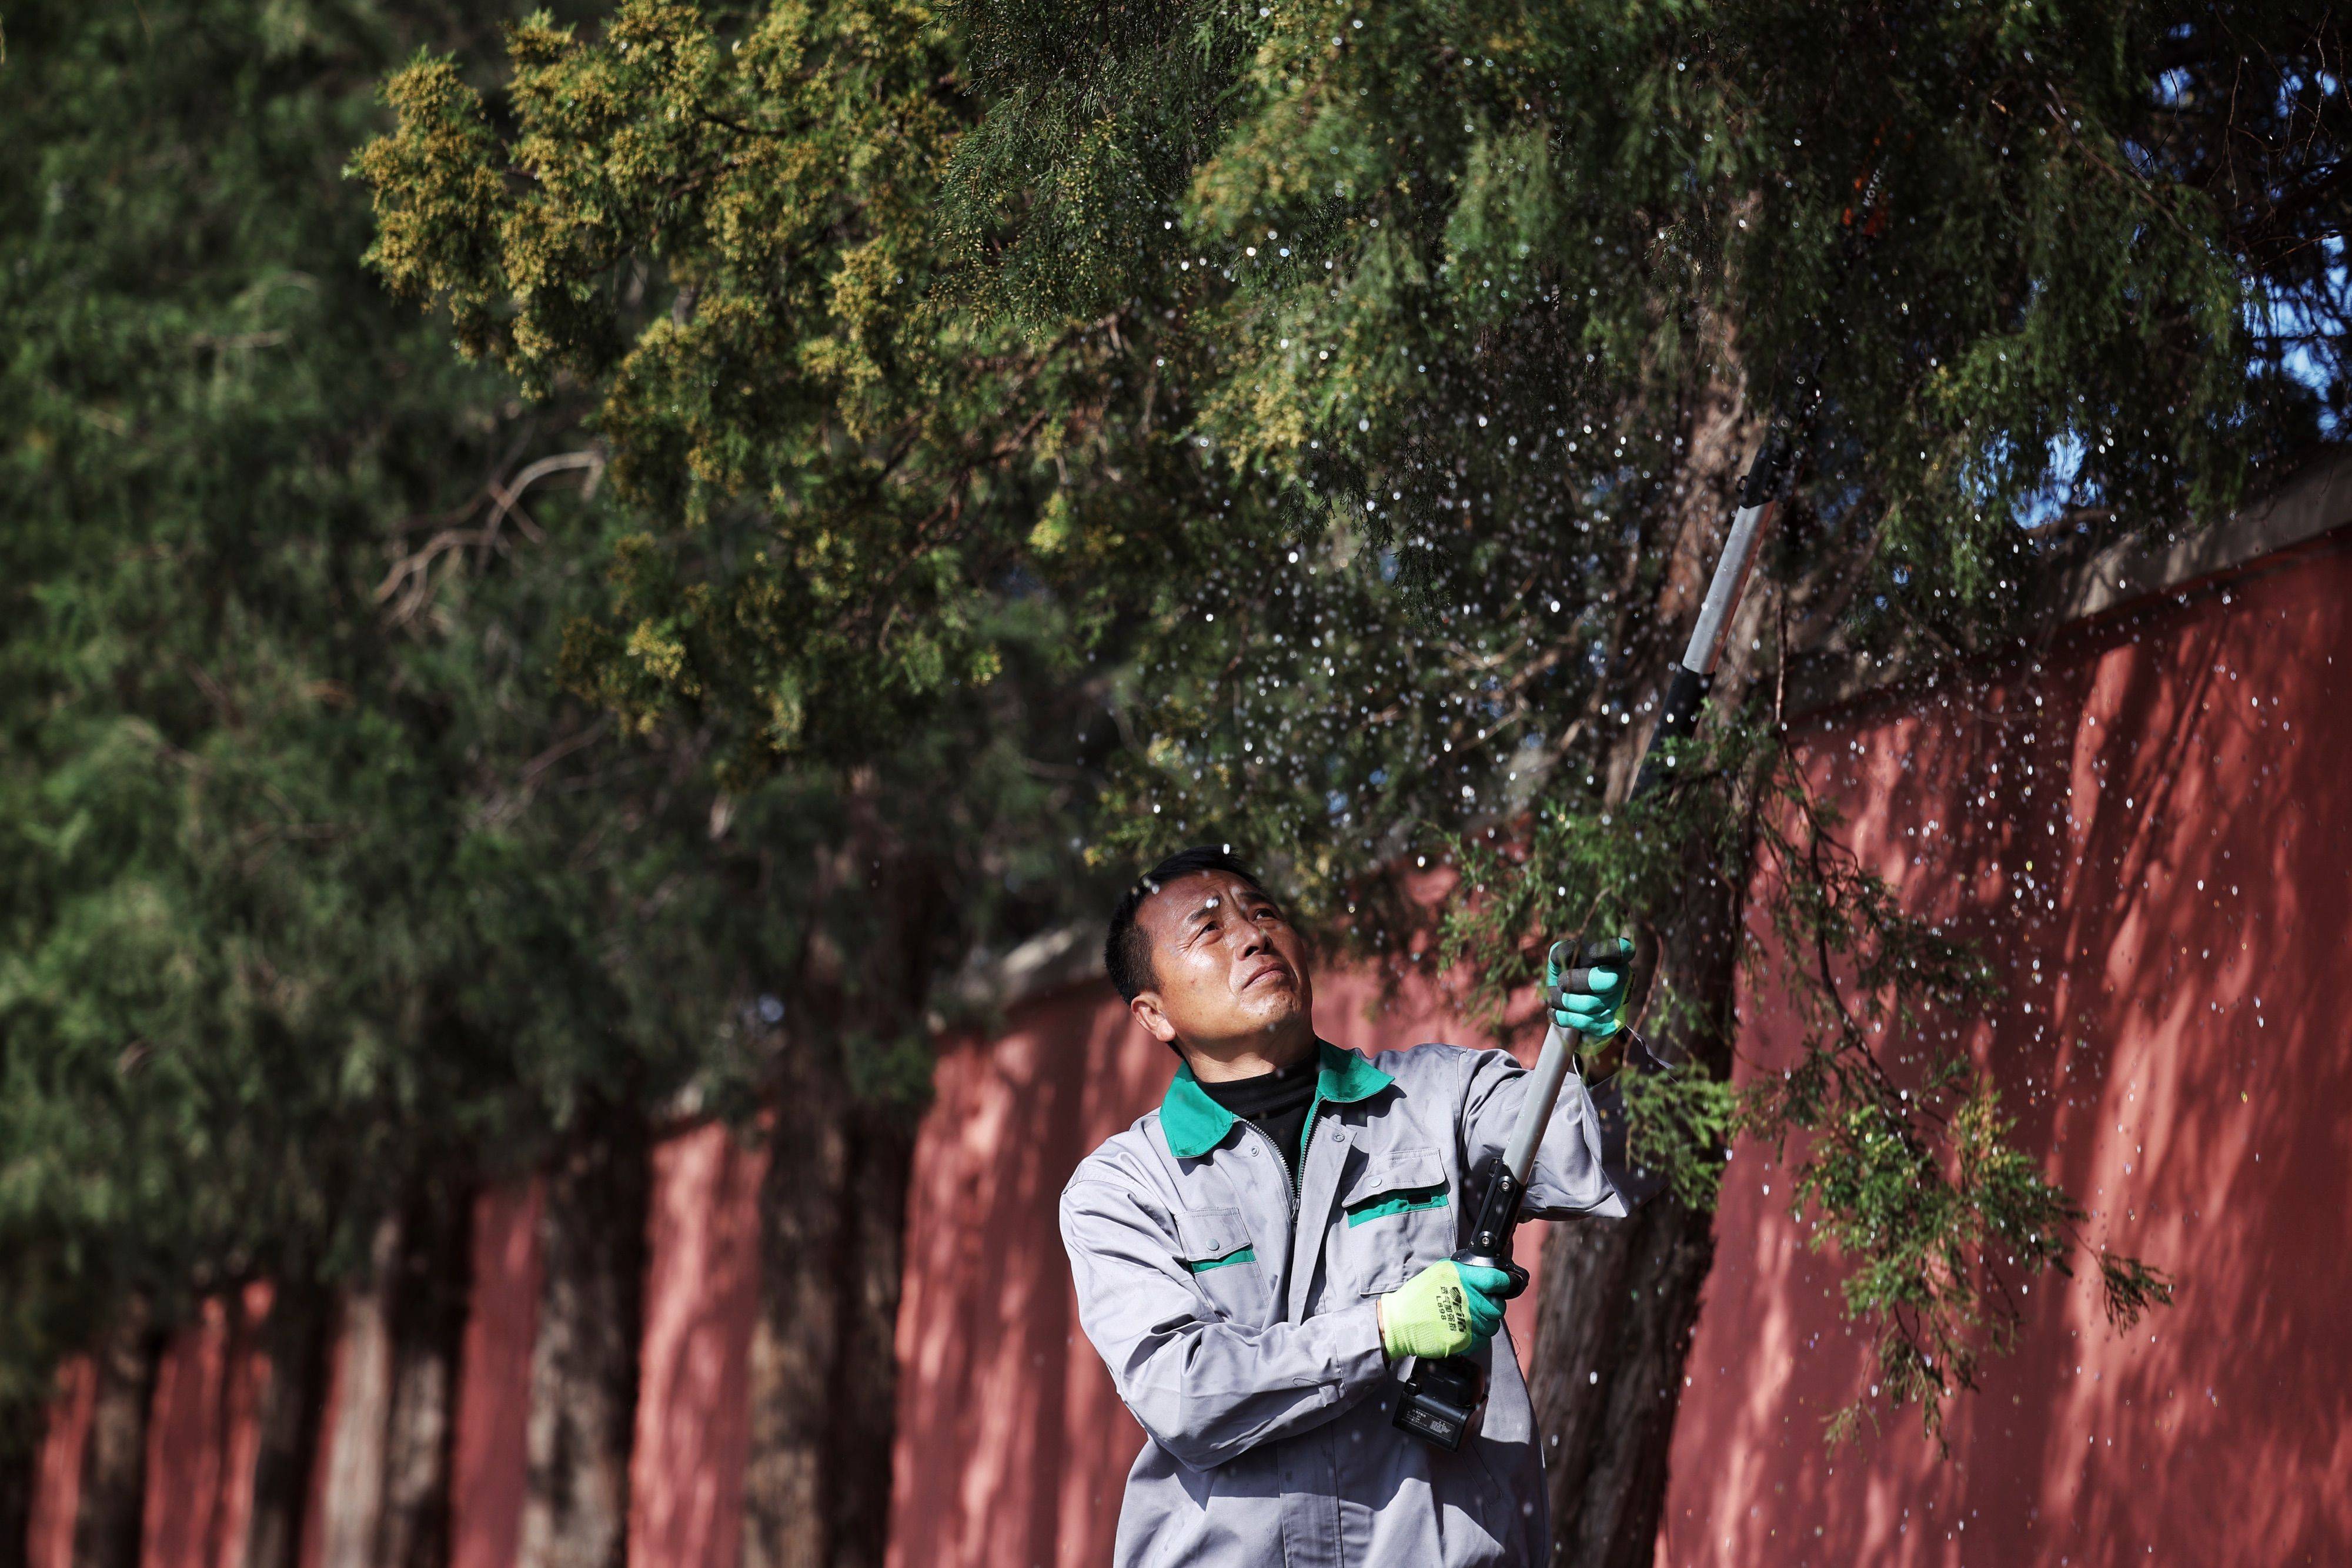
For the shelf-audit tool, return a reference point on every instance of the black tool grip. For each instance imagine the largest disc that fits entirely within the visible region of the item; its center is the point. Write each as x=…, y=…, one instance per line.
x=1440, y=1399
x=1576, y=964
x=1677, y=716
x=1763, y=480
x=1490, y=1242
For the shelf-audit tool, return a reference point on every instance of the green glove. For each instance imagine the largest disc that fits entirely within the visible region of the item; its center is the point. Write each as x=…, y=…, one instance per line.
x=1595, y=1014
x=1443, y=1310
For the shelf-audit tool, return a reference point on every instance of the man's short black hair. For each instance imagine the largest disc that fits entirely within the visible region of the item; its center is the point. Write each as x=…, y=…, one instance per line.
x=1127, y=951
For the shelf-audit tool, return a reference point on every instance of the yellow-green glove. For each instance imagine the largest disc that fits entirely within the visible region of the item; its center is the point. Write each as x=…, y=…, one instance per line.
x=1443, y=1310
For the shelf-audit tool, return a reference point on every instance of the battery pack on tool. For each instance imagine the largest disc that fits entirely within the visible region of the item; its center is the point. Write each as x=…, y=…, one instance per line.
x=1442, y=1397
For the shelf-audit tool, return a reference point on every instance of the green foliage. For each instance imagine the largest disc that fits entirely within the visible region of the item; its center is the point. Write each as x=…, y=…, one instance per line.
x=734, y=241
x=1348, y=399
x=301, y=896
x=315, y=881
x=1901, y=1159
x=1679, y=1123
x=1443, y=298
x=1902, y=1155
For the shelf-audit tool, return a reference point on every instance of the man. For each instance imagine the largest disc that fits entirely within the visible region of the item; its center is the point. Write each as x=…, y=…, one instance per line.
x=1256, y=1259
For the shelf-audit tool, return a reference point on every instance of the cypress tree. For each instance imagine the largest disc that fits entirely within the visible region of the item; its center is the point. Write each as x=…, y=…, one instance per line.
x=1362, y=391
x=325, y=900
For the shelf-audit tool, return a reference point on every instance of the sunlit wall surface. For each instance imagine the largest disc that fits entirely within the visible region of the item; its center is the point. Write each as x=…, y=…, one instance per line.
x=2151, y=835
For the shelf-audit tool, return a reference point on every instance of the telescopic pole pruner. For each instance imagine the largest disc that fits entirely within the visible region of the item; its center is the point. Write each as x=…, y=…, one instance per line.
x=1442, y=1397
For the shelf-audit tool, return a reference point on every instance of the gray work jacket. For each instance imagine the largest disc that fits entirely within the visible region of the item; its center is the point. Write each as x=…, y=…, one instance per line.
x=1244, y=1340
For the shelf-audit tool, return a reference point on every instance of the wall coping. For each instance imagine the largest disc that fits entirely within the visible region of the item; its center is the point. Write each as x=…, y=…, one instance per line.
x=1052, y=960
x=2315, y=499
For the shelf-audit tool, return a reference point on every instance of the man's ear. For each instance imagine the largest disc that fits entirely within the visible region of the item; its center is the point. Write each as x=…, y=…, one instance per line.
x=1145, y=1010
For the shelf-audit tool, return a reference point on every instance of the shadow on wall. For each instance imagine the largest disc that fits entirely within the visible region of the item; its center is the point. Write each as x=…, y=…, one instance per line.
x=1004, y=1425
x=2144, y=835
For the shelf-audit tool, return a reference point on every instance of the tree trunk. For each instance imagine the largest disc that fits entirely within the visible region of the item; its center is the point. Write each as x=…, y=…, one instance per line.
x=295, y=1341
x=351, y=1453
x=584, y=1368
x=114, y=1466
x=816, y=1493
x=428, y=1327
x=21, y=1428
x=1620, y=1299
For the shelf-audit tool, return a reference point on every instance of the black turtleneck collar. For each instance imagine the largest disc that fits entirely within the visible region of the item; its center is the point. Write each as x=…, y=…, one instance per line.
x=1275, y=1102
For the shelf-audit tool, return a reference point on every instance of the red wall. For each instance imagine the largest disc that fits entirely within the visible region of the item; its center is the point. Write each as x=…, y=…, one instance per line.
x=57, y=1468
x=694, y=1420
x=1011, y=1446
x=2164, y=833
x=2180, y=872
x=203, y=1432
x=489, y=1458
x=203, y=1435
x=2178, y=1055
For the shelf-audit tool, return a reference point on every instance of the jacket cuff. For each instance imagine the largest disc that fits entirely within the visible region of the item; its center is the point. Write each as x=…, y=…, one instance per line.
x=1355, y=1351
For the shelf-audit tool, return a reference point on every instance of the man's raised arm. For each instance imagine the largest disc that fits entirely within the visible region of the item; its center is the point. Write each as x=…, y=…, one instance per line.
x=1581, y=1165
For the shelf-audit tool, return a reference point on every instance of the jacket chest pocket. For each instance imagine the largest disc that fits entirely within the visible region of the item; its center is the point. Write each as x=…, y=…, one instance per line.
x=1213, y=1246
x=1398, y=1218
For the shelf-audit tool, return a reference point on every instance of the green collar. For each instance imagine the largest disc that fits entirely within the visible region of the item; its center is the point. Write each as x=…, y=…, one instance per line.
x=1194, y=1123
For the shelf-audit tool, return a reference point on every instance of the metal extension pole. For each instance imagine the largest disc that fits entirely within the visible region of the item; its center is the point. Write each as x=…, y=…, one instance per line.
x=1535, y=1111
x=1677, y=717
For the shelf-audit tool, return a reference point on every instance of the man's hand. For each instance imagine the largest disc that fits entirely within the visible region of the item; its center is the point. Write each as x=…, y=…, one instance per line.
x=1445, y=1309
x=1594, y=1015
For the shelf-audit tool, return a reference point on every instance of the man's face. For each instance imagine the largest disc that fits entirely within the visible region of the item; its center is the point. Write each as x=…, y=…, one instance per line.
x=1227, y=968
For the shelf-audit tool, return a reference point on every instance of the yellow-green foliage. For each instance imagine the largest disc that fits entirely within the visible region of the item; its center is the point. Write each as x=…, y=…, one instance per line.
x=1336, y=384
x=735, y=239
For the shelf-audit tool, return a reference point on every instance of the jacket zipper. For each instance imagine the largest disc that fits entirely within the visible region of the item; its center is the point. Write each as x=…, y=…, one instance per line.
x=1289, y=1183
x=1282, y=1166
x=1289, y=1242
